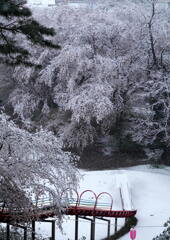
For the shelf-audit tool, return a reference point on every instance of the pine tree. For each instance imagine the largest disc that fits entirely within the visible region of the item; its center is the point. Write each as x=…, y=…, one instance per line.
x=165, y=235
x=16, y=24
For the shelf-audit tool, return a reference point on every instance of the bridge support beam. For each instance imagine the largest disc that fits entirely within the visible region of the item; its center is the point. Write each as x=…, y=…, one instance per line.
x=92, y=220
x=25, y=233
x=76, y=227
x=108, y=229
x=24, y=228
x=115, y=225
x=7, y=231
x=53, y=230
x=18, y=226
x=93, y=229
x=33, y=230
x=108, y=225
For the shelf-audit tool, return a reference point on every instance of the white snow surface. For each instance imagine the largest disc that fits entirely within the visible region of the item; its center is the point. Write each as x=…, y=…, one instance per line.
x=143, y=188
x=41, y=2
x=46, y=3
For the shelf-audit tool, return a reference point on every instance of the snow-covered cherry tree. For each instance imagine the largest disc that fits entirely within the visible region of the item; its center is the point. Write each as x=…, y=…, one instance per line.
x=32, y=165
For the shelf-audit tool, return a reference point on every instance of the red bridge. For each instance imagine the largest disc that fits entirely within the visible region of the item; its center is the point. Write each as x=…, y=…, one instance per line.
x=79, y=206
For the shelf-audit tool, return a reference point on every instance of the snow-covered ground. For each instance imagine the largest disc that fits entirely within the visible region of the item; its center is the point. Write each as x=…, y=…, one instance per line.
x=40, y=2
x=46, y=3
x=150, y=196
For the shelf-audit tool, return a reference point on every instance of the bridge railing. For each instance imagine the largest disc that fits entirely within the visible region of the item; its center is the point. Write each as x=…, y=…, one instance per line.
x=78, y=201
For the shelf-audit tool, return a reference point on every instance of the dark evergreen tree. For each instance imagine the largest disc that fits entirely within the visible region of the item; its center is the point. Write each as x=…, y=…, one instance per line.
x=165, y=235
x=16, y=21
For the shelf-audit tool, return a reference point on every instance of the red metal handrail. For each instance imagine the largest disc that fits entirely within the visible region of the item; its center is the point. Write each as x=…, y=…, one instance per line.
x=77, y=200
x=85, y=192
x=111, y=205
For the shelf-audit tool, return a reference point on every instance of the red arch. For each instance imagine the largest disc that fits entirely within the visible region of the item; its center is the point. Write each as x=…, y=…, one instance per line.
x=111, y=205
x=77, y=200
x=91, y=192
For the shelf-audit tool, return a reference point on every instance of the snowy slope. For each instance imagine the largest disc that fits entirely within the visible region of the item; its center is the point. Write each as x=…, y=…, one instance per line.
x=150, y=196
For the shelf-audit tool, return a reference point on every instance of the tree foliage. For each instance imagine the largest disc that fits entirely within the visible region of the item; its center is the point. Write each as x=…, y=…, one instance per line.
x=112, y=67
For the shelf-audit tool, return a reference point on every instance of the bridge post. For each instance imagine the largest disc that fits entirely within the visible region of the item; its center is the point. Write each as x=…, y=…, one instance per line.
x=93, y=229
x=108, y=229
x=33, y=230
x=7, y=231
x=53, y=230
x=76, y=226
x=108, y=225
x=25, y=233
x=115, y=225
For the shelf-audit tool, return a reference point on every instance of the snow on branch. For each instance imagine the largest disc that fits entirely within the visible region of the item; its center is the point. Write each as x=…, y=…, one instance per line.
x=30, y=164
